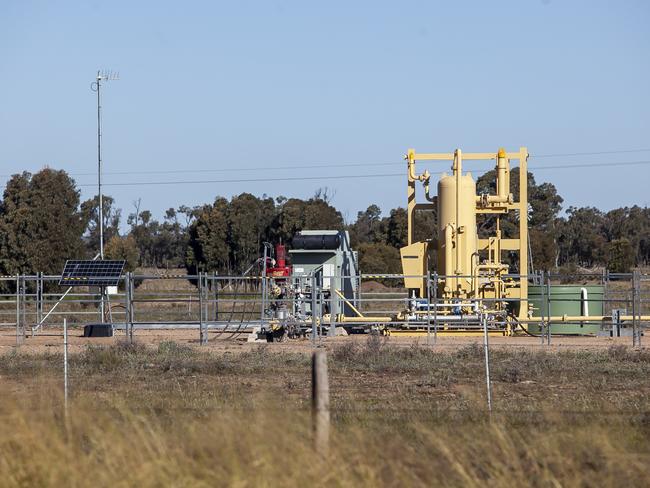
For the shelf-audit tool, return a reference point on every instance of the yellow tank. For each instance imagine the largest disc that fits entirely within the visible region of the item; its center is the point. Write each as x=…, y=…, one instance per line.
x=457, y=235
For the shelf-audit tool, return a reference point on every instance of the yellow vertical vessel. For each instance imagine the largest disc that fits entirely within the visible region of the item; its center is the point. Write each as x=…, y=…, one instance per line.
x=457, y=236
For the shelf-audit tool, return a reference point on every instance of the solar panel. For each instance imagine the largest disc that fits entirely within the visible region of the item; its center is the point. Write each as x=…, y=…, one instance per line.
x=91, y=273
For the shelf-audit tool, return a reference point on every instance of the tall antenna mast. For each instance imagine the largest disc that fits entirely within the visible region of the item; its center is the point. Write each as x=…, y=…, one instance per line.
x=96, y=86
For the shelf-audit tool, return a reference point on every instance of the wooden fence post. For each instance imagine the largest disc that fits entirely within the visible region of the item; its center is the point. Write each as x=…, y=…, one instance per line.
x=320, y=401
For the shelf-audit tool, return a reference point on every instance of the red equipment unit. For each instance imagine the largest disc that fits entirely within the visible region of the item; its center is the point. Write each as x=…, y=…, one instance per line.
x=280, y=270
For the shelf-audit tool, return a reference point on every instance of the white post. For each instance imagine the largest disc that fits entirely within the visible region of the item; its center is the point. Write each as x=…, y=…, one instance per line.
x=65, y=363
x=487, y=362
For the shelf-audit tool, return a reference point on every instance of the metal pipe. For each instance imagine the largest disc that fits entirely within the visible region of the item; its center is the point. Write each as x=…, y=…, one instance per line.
x=365, y=319
x=585, y=318
x=448, y=255
x=584, y=301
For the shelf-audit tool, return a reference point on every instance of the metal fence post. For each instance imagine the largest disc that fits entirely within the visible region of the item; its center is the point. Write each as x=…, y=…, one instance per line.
x=39, y=297
x=18, y=341
x=640, y=308
x=548, y=308
x=202, y=335
x=428, y=308
x=633, y=309
x=543, y=306
x=206, y=306
x=314, y=323
x=605, y=301
x=333, y=302
x=132, y=295
x=486, y=349
x=128, y=305
x=65, y=364
x=435, y=307
x=320, y=307
x=636, y=310
x=215, y=283
x=265, y=257
x=21, y=309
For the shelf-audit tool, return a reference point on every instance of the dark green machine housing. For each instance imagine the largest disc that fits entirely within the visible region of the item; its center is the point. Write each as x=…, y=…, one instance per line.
x=567, y=300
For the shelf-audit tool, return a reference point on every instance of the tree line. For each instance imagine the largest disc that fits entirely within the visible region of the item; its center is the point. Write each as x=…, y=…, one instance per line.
x=43, y=222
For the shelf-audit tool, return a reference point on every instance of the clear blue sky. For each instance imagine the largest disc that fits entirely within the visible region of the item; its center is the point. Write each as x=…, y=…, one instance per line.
x=209, y=85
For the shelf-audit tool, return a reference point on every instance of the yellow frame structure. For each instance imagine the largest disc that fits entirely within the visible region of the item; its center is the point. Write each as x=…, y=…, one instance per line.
x=501, y=203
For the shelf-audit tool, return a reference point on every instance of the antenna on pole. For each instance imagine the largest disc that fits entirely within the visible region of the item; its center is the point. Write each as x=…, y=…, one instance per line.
x=102, y=76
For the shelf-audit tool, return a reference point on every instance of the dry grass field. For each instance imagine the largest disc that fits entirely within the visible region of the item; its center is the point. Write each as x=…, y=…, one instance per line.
x=172, y=414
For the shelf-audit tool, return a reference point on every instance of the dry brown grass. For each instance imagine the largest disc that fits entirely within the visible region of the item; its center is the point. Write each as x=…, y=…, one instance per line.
x=411, y=416
x=110, y=443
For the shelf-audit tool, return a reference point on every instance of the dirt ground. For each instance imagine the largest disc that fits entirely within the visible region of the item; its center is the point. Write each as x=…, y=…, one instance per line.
x=51, y=340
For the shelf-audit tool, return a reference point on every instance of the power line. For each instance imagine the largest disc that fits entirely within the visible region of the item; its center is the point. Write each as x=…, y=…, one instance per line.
x=591, y=165
x=229, y=170
x=339, y=177
x=588, y=153
x=352, y=165
x=247, y=180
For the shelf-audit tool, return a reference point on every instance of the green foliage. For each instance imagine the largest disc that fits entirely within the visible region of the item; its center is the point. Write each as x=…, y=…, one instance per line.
x=368, y=227
x=228, y=236
x=393, y=229
x=543, y=249
x=111, y=220
x=161, y=244
x=379, y=258
x=249, y=223
x=294, y=215
x=397, y=228
x=581, y=238
x=123, y=248
x=208, y=246
x=41, y=224
x=620, y=258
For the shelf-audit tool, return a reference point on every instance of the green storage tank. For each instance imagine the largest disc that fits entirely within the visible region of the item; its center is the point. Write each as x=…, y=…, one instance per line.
x=567, y=300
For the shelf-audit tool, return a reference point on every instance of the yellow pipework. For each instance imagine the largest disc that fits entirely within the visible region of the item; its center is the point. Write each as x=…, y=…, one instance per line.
x=411, y=169
x=486, y=267
x=503, y=182
x=364, y=319
x=342, y=296
x=503, y=176
x=449, y=243
x=584, y=318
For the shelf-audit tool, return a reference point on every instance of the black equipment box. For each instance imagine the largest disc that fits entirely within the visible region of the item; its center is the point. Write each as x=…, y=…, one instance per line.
x=98, y=330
